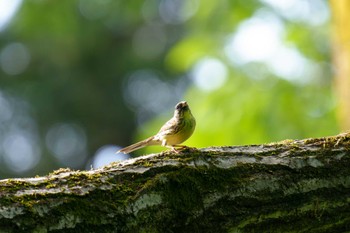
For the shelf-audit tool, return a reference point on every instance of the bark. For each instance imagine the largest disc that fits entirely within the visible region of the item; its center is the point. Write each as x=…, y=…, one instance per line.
x=290, y=186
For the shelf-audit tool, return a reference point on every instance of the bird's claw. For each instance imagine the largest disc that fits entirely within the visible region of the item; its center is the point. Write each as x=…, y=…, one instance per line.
x=182, y=148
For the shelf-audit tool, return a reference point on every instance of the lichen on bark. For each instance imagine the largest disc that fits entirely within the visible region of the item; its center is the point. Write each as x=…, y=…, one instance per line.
x=290, y=186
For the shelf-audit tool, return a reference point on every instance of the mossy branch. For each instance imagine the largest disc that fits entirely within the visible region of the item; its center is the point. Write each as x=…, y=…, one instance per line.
x=290, y=186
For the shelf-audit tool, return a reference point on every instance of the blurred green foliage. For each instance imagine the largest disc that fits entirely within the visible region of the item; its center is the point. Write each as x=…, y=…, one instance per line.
x=245, y=112
x=84, y=55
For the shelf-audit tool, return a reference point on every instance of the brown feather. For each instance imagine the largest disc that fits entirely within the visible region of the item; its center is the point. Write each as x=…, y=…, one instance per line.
x=147, y=142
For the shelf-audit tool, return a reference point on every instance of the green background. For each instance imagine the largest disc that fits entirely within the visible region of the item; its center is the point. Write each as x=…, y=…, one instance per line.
x=77, y=76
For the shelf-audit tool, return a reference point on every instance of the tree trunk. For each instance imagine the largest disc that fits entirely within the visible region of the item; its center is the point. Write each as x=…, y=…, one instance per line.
x=290, y=186
x=341, y=56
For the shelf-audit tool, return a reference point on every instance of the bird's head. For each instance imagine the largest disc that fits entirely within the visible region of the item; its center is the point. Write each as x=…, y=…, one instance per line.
x=181, y=109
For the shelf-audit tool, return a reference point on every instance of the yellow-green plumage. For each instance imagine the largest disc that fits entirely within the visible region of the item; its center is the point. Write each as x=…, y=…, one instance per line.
x=177, y=130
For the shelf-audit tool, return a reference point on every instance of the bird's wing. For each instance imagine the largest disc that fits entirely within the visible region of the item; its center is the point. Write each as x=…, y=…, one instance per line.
x=170, y=127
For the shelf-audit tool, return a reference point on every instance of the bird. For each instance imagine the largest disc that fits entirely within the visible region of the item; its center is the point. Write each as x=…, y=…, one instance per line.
x=174, y=132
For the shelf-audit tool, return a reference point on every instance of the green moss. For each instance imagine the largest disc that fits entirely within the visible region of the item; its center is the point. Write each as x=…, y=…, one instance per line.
x=49, y=186
x=194, y=194
x=60, y=171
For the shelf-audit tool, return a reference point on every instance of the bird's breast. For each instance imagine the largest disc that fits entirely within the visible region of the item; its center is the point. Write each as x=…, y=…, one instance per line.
x=183, y=134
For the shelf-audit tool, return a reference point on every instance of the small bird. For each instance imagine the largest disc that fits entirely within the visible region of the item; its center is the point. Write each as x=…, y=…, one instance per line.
x=175, y=131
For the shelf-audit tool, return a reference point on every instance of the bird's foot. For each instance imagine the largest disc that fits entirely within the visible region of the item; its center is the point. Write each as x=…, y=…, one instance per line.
x=182, y=148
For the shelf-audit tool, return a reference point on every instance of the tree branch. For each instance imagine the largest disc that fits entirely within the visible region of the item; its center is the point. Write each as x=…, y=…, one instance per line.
x=294, y=185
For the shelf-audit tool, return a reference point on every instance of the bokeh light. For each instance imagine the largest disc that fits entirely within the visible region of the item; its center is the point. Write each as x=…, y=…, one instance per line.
x=21, y=150
x=67, y=142
x=148, y=94
x=177, y=11
x=107, y=154
x=94, y=10
x=7, y=10
x=14, y=58
x=20, y=147
x=297, y=68
x=311, y=12
x=256, y=39
x=260, y=39
x=6, y=111
x=209, y=74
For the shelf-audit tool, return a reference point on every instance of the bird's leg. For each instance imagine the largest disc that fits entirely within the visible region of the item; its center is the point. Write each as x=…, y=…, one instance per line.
x=164, y=143
x=177, y=148
x=173, y=148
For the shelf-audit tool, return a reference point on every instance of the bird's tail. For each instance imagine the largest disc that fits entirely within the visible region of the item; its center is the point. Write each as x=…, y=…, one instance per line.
x=147, y=142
